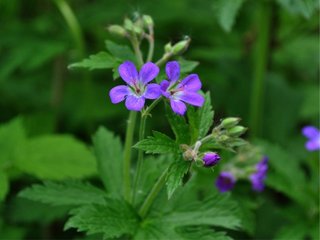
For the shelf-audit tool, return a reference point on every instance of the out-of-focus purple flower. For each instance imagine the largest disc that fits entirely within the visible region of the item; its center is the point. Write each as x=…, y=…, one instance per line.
x=225, y=181
x=313, y=135
x=181, y=92
x=210, y=159
x=257, y=179
x=138, y=88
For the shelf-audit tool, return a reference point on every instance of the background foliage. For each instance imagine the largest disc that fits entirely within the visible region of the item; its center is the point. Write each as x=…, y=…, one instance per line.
x=259, y=59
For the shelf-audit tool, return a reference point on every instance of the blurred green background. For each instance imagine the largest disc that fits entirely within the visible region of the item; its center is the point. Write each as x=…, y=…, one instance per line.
x=259, y=59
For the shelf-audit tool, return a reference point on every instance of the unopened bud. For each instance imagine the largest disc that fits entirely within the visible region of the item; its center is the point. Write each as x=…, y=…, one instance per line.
x=181, y=46
x=147, y=20
x=189, y=155
x=210, y=159
x=237, y=131
x=168, y=48
x=128, y=24
x=230, y=122
x=117, y=30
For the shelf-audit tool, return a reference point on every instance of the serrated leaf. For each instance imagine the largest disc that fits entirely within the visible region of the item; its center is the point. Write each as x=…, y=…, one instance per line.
x=108, y=151
x=176, y=172
x=179, y=126
x=101, y=60
x=187, y=66
x=4, y=185
x=158, y=143
x=112, y=219
x=72, y=193
x=226, y=12
x=55, y=157
x=122, y=52
x=201, y=119
x=12, y=135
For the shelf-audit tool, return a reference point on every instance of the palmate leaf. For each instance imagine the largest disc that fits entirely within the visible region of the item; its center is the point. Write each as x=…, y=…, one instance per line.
x=74, y=193
x=108, y=151
x=226, y=12
x=200, y=119
x=122, y=52
x=158, y=143
x=101, y=60
x=55, y=157
x=112, y=219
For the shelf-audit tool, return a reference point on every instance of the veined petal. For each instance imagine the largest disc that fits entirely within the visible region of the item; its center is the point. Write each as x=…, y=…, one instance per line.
x=134, y=103
x=178, y=107
x=148, y=72
x=152, y=91
x=313, y=145
x=118, y=93
x=128, y=72
x=173, y=70
x=310, y=132
x=163, y=87
x=191, y=83
x=191, y=98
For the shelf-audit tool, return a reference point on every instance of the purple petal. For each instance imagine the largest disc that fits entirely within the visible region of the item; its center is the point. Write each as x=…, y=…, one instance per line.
x=313, y=145
x=225, y=181
x=178, y=106
x=191, y=98
x=152, y=91
x=134, y=103
x=163, y=87
x=173, y=70
x=118, y=93
x=128, y=72
x=148, y=72
x=191, y=83
x=310, y=132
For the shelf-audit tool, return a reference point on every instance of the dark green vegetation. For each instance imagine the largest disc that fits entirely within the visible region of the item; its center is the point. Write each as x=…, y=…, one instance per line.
x=259, y=59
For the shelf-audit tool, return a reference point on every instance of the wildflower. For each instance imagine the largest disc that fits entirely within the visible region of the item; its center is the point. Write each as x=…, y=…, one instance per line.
x=137, y=88
x=181, y=92
x=313, y=135
x=257, y=179
x=225, y=181
x=210, y=159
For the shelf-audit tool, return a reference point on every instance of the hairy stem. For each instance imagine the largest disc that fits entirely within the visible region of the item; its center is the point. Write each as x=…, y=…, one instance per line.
x=164, y=59
x=151, y=44
x=127, y=155
x=153, y=194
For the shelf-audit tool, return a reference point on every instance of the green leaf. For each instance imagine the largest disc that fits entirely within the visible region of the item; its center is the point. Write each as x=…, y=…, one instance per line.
x=201, y=119
x=112, y=219
x=108, y=151
x=176, y=172
x=187, y=66
x=305, y=8
x=122, y=52
x=55, y=157
x=4, y=185
x=72, y=193
x=179, y=126
x=226, y=12
x=158, y=143
x=101, y=60
x=12, y=136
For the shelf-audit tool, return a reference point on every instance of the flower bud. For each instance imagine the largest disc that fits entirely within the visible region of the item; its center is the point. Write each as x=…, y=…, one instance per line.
x=168, y=48
x=230, y=122
x=128, y=24
x=181, y=46
x=237, y=131
x=147, y=20
x=117, y=30
x=210, y=159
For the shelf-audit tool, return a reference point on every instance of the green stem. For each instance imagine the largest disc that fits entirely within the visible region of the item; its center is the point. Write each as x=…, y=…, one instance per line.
x=153, y=194
x=136, y=47
x=151, y=44
x=127, y=155
x=164, y=59
x=143, y=120
x=260, y=67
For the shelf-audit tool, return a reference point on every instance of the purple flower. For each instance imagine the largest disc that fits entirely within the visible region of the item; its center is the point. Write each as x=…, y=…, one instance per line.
x=210, y=159
x=225, y=181
x=137, y=88
x=181, y=92
x=313, y=135
x=257, y=179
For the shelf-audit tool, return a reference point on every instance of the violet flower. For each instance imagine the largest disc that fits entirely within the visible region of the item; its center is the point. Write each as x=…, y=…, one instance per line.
x=210, y=159
x=313, y=135
x=225, y=181
x=257, y=179
x=181, y=92
x=137, y=88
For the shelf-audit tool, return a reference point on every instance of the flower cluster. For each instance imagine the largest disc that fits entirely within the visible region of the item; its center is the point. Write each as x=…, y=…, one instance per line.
x=257, y=179
x=139, y=88
x=313, y=135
